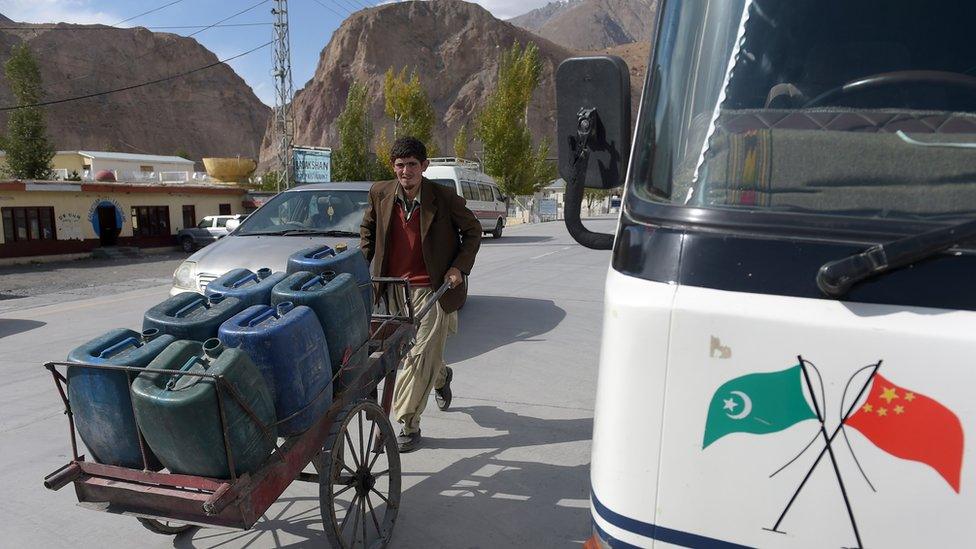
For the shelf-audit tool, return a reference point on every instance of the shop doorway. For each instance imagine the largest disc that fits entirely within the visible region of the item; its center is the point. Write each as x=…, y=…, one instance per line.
x=108, y=227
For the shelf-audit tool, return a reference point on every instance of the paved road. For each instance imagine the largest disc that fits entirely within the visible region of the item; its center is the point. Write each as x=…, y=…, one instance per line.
x=506, y=466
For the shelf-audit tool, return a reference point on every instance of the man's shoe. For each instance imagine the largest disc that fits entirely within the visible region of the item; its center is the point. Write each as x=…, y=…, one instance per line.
x=408, y=443
x=443, y=395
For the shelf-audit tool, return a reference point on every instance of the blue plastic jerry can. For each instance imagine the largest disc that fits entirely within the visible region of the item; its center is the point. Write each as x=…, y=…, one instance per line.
x=190, y=315
x=289, y=347
x=338, y=305
x=252, y=288
x=99, y=399
x=323, y=260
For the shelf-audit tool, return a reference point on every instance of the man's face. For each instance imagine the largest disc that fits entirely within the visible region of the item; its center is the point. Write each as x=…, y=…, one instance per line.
x=409, y=172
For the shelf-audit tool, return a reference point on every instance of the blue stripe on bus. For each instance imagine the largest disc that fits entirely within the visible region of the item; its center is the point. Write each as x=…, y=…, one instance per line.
x=648, y=530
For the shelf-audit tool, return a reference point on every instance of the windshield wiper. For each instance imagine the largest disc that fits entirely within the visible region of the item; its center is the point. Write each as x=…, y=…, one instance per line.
x=301, y=232
x=836, y=278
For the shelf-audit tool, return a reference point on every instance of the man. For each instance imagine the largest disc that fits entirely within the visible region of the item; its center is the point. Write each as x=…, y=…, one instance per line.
x=423, y=232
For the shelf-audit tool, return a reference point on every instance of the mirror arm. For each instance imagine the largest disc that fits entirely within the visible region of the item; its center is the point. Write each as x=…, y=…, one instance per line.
x=587, y=119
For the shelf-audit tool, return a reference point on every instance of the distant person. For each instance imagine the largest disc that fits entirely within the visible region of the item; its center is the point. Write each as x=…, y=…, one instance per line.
x=420, y=231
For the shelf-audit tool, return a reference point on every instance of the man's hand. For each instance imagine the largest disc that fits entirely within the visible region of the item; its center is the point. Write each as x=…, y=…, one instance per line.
x=453, y=277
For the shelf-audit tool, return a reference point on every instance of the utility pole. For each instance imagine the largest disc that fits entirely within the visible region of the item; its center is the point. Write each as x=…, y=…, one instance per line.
x=284, y=125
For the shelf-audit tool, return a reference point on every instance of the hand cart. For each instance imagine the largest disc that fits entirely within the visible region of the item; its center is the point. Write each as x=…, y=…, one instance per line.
x=352, y=448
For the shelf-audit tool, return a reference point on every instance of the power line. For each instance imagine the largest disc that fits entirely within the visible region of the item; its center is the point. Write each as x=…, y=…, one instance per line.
x=330, y=9
x=134, y=86
x=147, y=12
x=105, y=27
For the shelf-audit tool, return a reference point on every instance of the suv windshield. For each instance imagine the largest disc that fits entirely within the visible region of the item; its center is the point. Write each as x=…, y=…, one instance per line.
x=833, y=107
x=318, y=210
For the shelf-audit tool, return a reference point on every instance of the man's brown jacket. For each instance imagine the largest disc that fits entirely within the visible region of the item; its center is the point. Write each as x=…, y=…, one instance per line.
x=450, y=234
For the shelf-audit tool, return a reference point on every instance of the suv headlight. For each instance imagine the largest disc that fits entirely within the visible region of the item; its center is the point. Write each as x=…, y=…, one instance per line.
x=185, y=275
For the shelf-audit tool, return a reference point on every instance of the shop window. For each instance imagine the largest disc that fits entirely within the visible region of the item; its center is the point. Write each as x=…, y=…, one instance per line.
x=150, y=221
x=33, y=223
x=146, y=169
x=189, y=216
x=224, y=209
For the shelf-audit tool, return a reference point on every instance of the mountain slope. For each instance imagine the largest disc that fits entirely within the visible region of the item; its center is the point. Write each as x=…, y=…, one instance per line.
x=591, y=25
x=453, y=45
x=208, y=113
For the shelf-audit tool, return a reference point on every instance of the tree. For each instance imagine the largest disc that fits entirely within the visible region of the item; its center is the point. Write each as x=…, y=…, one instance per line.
x=182, y=153
x=381, y=164
x=270, y=181
x=503, y=126
x=29, y=152
x=406, y=103
x=461, y=141
x=351, y=161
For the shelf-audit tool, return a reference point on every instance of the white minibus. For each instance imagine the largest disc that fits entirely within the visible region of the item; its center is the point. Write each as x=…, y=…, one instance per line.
x=483, y=196
x=789, y=332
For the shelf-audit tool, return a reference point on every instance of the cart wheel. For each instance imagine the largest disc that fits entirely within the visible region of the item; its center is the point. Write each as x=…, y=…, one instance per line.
x=165, y=527
x=359, y=487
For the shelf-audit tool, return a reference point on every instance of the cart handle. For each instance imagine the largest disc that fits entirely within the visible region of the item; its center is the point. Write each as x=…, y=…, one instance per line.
x=430, y=302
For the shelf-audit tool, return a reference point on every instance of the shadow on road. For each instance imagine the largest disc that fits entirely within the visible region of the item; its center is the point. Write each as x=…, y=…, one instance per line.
x=518, y=239
x=9, y=327
x=478, y=501
x=488, y=322
x=516, y=430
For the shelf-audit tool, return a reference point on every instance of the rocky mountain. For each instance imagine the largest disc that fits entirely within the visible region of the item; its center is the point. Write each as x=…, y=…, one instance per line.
x=591, y=25
x=208, y=113
x=454, y=46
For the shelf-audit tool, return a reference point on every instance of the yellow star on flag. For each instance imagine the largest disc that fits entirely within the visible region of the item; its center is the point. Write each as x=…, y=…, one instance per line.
x=909, y=396
x=888, y=394
x=899, y=410
x=868, y=408
x=882, y=411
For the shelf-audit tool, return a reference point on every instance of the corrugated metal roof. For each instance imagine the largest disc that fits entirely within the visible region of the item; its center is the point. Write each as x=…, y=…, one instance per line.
x=132, y=157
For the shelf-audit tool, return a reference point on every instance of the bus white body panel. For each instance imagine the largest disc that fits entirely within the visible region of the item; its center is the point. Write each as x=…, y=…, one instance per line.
x=674, y=356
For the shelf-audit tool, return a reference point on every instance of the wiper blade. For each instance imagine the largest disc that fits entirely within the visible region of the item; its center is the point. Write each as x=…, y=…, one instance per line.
x=318, y=232
x=836, y=278
x=301, y=232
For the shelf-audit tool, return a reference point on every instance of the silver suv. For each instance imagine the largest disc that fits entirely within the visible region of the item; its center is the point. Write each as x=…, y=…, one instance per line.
x=208, y=230
x=303, y=217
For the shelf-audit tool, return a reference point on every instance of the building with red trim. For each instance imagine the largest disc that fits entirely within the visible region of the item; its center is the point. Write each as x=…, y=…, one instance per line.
x=43, y=218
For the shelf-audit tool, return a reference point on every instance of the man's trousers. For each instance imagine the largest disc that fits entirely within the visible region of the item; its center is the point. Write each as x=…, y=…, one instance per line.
x=423, y=368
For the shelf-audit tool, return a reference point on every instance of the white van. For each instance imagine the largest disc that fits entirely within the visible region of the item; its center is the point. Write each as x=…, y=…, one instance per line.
x=789, y=317
x=478, y=189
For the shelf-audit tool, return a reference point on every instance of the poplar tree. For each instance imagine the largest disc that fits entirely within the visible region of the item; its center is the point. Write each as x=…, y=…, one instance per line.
x=461, y=141
x=407, y=104
x=29, y=152
x=503, y=125
x=352, y=162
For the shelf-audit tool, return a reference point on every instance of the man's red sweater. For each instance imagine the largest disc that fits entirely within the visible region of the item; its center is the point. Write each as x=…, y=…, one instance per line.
x=406, y=257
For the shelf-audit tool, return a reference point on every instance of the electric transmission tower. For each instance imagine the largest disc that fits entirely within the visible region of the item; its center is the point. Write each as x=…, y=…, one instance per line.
x=284, y=126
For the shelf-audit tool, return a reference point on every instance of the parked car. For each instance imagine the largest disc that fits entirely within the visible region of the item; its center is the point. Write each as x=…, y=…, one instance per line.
x=207, y=231
x=303, y=217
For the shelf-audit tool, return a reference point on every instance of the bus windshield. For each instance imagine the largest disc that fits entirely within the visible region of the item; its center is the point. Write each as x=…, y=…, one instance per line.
x=864, y=109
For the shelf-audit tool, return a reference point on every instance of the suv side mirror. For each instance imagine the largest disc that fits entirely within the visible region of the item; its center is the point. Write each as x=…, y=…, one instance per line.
x=600, y=84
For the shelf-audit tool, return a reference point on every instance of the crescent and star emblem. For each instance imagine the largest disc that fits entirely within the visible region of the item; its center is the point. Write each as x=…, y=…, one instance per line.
x=731, y=405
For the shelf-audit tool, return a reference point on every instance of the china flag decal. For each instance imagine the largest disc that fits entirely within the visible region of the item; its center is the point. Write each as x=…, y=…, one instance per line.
x=911, y=426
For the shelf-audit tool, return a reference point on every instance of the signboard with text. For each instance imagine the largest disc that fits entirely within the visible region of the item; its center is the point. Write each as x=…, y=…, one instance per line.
x=312, y=165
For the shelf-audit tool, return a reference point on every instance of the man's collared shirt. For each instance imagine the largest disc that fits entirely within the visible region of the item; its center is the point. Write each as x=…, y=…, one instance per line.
x=408, y=209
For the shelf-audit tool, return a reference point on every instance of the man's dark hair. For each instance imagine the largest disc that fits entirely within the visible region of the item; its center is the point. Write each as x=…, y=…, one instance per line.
x=405, y=147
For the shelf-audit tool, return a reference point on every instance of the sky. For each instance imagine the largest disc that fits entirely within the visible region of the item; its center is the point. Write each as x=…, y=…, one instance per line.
x=311, y=24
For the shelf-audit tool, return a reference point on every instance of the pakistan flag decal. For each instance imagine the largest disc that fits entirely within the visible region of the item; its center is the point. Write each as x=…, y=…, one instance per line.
x=758, y=404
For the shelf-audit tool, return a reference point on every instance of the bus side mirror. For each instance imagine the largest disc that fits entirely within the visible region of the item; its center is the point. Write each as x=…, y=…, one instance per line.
x=232, y=224
x=599, y=84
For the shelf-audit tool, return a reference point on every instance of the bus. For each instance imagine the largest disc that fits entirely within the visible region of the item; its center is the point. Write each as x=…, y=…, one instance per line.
x=789, y=324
